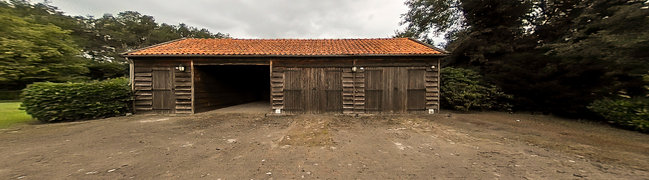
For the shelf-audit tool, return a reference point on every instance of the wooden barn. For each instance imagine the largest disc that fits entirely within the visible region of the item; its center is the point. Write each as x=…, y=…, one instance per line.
x=350, y=76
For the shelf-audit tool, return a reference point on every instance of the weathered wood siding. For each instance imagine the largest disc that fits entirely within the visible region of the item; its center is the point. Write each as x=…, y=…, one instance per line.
x=297, y=85
x=374, y=86
x=353, y=91
x=432, y=80
x=160, y=88
x=395, y=89
x=313, y=90
x=277, y=87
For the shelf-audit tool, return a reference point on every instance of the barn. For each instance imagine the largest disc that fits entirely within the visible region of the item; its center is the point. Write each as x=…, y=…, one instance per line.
x=348, y=76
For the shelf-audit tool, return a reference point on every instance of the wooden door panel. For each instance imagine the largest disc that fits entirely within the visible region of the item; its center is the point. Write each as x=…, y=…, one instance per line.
x=162, y=100
x=313, y=79
x=162, y=80
x=162, y=90
x=313, y=90
x=293, y=88
x=374, y=90
x=293, y=100
x=394, y=89
x=333, y=93
x=416, y=99
x=416, y=89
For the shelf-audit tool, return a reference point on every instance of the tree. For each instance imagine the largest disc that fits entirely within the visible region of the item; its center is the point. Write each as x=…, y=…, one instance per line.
x=552, y=55
x=476, y=29
x=613, y=34
x=432, y=16
x=32, y=52
x=93, y=44
x=131, y=30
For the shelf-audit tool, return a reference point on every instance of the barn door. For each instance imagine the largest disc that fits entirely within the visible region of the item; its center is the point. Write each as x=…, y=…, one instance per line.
x=313, y=90
x=293, y=90
x=163, y=96
x=333, y=90
x=373, y=90
x=416, y=90
x=312, y=98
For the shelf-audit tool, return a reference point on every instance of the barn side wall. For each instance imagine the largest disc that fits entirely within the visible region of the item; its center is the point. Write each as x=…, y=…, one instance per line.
x=174, y=94
x=367, y=85
x=349, y=85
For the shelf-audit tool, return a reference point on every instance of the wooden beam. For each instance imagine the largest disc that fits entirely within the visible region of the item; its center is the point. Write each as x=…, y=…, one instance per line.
x=270, y=70
x=232, y=63
x=191, y=70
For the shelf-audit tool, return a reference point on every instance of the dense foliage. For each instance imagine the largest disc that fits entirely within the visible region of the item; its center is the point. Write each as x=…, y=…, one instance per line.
x=555, y=56
x=464, y=89
x=32, y=52
x=626, y=111
x=50, y=102
x=40, y=43
x=9, y=95
x=632, y=113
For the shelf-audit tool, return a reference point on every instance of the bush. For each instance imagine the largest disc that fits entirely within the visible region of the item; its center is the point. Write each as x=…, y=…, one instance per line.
x=632, y=113
x=9, y=95
x=49, y=102
x=464, y=89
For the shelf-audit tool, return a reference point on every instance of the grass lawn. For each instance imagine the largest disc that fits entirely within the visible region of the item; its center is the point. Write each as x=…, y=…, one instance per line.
x=10, y=114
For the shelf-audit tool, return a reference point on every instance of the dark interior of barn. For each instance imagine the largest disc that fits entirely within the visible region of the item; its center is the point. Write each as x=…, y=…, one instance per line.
x=220, y=86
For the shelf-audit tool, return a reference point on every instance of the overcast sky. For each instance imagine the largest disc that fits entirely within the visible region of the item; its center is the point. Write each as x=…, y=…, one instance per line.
x=261, y=18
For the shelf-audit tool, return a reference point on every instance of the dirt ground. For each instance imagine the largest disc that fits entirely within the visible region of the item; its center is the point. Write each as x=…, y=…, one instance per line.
x=218, y=145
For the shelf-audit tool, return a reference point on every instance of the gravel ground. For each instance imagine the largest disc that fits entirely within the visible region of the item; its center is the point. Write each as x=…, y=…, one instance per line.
x=225, y=145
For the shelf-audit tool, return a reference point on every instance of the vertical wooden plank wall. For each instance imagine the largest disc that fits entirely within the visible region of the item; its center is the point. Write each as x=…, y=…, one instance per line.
x=404, y=88
x=416, y=89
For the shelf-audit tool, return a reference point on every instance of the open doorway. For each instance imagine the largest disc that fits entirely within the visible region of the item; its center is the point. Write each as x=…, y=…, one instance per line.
x=219, y=86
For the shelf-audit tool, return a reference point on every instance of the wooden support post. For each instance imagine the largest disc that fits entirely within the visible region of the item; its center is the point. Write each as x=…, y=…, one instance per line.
x=191, y=69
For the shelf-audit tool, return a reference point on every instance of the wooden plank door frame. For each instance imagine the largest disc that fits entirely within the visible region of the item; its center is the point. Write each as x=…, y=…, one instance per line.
x=166, y=99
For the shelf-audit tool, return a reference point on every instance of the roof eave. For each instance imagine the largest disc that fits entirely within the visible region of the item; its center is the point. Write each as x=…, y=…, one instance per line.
x=430, y=46
x=342, y=55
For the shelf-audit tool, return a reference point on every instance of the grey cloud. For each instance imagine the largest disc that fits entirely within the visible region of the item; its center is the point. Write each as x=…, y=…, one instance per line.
x=262, y=18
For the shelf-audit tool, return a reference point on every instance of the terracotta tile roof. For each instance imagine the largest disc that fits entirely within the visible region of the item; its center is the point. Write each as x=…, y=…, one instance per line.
x=288, y=47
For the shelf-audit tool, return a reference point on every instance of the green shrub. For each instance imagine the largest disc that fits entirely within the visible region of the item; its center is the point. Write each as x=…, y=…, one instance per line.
x=50, y=102
x=464, y=89
x=9, y=95
x=632, y=113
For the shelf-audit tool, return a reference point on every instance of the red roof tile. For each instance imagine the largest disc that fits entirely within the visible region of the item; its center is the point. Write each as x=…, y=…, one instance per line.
x=287, y=47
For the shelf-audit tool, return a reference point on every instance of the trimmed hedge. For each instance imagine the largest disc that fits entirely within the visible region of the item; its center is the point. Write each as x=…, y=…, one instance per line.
x=464, y=90
x=49, y=102
x=631, y=113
